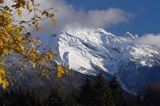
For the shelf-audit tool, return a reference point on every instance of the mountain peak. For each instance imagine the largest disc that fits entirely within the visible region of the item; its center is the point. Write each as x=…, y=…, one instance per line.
x=90, y=50
x=79, y=31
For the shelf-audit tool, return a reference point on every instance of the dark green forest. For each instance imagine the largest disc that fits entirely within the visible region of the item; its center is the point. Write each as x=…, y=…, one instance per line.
x=93, y=92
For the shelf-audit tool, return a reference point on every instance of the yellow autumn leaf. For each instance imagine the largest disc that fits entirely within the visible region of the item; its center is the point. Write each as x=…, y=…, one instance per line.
x=1, y=62
x=49, y=56
x=33, y=56
x=19, y=48
x=5, y=84
x=17, y=31
x=19, y=37
x=5, y=51
x=1, y=43
x=4, y=39
x=53, y=21
x=60, y=71
x=2, y=72
x=3, y=81
x=44, y=70
x=9, y=27
x=5, y=15
x=27, y=6
x=54, y=54
x=19, y=12
x=59, y=75
x=33, y=65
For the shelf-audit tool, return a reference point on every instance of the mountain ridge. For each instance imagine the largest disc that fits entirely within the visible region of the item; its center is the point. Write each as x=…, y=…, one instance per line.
x=89, y=49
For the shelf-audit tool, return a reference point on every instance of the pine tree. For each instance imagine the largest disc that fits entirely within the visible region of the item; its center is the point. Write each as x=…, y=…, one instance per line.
x=96, y=92
x=116, y=91
x=152, y=95
x=55, y=98
x=19, y=97
x=86, y=93
x=101, y=91
x=71, y=99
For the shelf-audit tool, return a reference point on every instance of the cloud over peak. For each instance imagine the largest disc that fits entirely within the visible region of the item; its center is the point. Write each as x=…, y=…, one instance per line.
x=67, y=14
x=150, y=39
x=106, y=18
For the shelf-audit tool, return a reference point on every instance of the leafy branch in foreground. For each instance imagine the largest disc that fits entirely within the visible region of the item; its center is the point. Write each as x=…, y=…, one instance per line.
x=14, y=37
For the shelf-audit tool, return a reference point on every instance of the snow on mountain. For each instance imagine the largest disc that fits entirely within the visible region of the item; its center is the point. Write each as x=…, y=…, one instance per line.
x=90, y=50
x=89, y=46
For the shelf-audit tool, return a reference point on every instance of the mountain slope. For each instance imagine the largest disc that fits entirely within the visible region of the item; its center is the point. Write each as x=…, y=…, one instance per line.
x=90, y=50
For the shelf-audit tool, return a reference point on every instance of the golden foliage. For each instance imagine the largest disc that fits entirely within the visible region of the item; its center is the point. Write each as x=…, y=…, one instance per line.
x=3, y=80
x=14, y=38
x=60, y=71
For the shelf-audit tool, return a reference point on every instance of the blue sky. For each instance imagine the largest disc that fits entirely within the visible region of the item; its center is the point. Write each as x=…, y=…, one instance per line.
x=140, y=17
x=145, y=19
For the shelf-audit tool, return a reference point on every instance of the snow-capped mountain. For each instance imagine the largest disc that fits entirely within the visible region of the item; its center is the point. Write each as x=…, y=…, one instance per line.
x=91, y=50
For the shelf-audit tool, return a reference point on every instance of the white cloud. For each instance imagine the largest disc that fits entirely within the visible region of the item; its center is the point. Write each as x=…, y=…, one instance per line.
x=67, y=14
x=150, y=39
